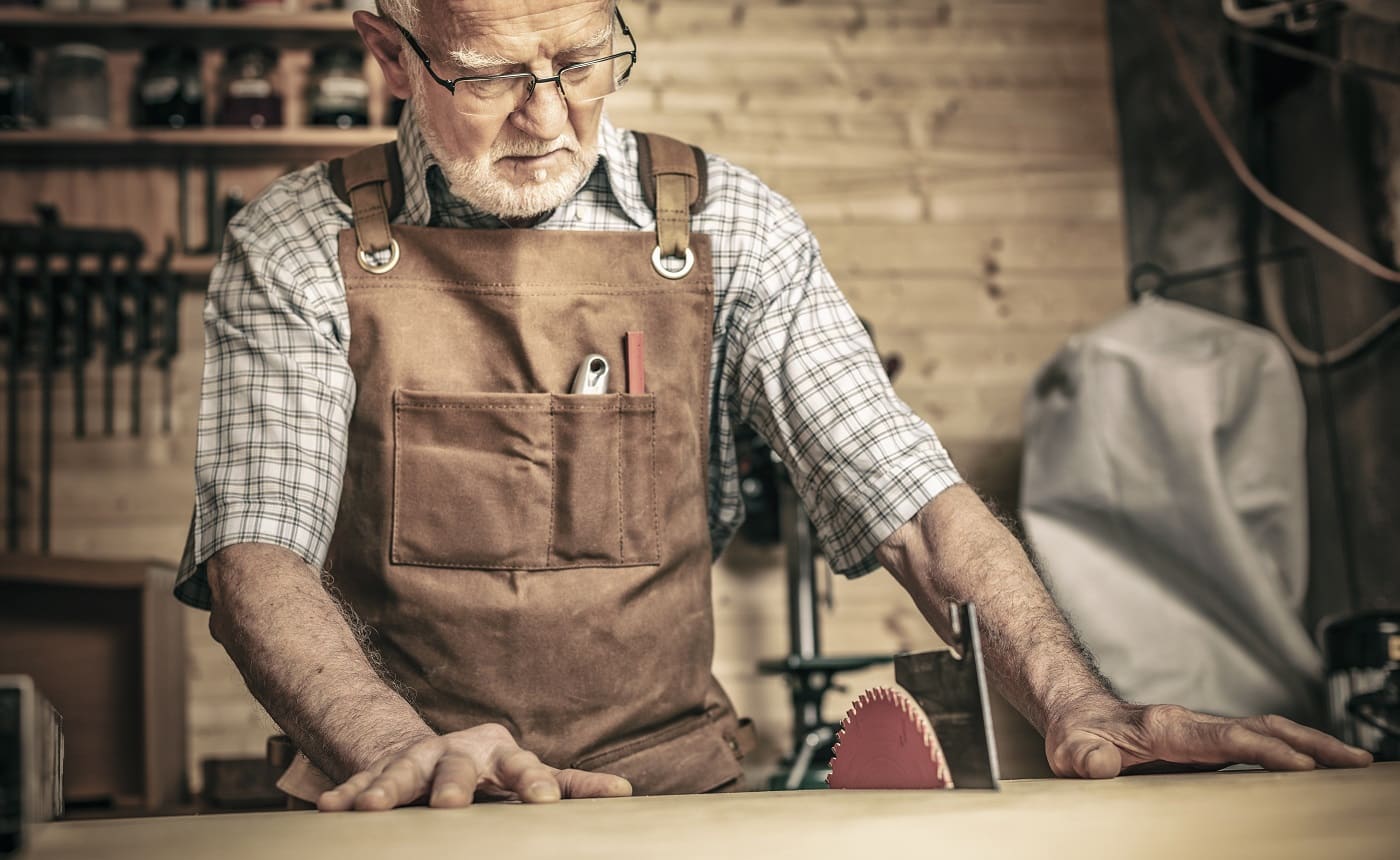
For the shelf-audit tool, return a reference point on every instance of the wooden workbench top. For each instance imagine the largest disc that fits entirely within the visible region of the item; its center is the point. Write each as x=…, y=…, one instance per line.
x=1319, y=815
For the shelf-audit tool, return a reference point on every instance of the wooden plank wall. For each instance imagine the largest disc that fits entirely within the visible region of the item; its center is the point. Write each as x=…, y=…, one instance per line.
x=957, y=161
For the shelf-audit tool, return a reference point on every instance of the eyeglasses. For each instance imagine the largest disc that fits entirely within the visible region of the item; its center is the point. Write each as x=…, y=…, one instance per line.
x=499, y=95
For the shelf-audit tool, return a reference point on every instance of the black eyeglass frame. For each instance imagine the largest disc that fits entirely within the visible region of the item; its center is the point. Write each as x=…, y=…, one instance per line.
x=556, y=79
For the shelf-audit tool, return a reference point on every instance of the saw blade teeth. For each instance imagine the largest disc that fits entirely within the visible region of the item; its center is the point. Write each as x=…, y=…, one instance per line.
x=880, y=742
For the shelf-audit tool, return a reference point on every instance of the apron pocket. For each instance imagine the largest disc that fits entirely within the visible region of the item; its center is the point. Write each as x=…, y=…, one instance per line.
x=604, y=480
x=524, y=481
x=472, y=480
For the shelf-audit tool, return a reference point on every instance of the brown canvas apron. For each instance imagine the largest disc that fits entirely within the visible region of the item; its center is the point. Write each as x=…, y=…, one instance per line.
x=523, y=555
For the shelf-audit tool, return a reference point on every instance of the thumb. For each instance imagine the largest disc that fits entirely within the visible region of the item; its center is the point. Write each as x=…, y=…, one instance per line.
x=1086, y=756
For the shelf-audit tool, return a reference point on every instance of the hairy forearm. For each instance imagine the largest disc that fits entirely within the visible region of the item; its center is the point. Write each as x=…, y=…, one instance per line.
x=955, y=549
x=303, y=662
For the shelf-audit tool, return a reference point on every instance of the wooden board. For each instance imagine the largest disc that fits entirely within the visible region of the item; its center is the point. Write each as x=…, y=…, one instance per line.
x=1322, y=814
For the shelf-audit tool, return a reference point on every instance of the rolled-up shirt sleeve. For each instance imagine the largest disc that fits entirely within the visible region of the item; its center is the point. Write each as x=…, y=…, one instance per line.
x=810, y=382
x=277, y=390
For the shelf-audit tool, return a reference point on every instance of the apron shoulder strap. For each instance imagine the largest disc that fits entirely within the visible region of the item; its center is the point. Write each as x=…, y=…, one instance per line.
x=371, y=182
x=658, y=155
x=673, y=179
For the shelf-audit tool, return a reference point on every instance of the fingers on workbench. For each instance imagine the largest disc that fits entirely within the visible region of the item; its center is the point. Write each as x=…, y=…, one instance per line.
x=1321, y=747
x=454, y=781
x=404, y=780
x=583, y=783
x=342, y=797
x=522, y=772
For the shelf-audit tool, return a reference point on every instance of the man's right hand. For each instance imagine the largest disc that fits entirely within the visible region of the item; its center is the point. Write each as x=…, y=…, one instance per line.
x=451, y=770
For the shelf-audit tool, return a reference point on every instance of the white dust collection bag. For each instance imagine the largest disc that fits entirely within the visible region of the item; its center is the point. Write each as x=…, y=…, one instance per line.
x=1164, y=489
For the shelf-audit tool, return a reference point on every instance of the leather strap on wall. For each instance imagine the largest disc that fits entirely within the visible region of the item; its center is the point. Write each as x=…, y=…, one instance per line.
x=371, y=181
x=673, y=183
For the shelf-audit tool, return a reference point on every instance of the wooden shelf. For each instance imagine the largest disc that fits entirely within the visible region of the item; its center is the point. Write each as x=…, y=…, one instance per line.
x=334, y=21
x=209, y=137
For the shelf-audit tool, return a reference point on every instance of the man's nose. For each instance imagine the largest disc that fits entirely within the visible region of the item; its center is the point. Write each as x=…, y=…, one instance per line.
x=545, y=115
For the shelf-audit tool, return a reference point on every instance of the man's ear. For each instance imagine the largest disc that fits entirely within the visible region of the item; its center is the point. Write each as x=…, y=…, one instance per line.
x=384, y=41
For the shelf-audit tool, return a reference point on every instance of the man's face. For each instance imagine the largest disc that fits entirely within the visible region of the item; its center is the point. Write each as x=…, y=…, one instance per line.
x=531, y=161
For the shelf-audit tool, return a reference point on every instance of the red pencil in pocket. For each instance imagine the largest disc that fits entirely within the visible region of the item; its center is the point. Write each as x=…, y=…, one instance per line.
x=636, y=363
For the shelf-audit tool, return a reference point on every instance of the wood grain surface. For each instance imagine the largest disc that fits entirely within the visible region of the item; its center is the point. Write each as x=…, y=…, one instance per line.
x=1321, y=814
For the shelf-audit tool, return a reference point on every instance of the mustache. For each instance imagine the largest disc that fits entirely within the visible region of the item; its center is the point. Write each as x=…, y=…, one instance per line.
x=533, y=148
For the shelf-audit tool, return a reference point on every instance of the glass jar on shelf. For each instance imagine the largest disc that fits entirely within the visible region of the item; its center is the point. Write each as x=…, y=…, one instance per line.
x=75, y=87
x=16, y=87
x=169, y=91
x=337, y=93
x=250, y=92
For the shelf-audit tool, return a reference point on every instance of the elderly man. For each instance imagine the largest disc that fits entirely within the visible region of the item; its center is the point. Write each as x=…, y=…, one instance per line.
x=447, y=572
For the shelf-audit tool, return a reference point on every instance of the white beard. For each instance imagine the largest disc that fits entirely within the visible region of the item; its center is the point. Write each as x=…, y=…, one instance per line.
x=476, y=181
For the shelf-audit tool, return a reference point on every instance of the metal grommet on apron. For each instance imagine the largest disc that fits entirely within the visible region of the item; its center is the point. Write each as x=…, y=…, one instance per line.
x=366, y=258
x=665, y=271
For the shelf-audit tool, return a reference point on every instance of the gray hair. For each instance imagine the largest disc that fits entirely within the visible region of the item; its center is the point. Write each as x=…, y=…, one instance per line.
x=405, y=12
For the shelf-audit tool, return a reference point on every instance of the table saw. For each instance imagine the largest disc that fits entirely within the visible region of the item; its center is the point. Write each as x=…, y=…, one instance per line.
x=1317, y=815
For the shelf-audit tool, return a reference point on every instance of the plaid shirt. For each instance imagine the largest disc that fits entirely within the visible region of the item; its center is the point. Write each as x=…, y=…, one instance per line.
x=790, y=359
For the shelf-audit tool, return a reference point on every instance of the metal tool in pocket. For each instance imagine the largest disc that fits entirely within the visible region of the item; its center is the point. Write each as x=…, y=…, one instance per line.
x=592, y=376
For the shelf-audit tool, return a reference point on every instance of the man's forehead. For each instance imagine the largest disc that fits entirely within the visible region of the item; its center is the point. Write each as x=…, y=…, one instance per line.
x=515, y=21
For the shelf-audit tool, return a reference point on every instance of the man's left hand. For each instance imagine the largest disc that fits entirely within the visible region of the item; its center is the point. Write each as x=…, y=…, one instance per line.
x=1101, y=744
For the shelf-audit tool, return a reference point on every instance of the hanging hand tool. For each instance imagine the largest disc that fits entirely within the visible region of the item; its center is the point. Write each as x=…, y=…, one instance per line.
x=47, y=323
x=46, y=298
x=15, y=328
x=76, y=296
x=169, y=339
x=138, y=296
x=111, y=348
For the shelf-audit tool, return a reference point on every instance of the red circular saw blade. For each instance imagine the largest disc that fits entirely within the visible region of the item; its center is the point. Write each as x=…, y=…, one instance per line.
x=887, y=741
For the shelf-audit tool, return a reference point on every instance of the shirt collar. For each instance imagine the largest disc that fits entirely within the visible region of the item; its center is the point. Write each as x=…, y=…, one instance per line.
x=427, y=199
x=617, y=151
